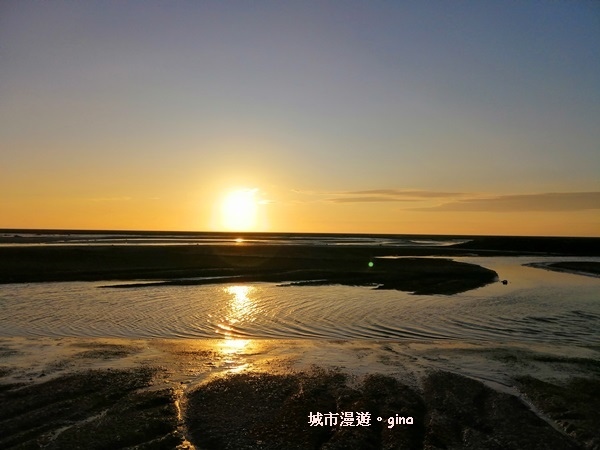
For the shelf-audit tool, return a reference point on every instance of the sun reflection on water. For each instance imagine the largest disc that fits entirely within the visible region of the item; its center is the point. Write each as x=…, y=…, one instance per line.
x=240, y=310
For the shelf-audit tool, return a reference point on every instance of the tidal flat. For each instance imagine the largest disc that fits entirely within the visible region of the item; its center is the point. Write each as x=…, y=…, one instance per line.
x=300, y=394
x=430, y=335
x=587, y=268
x=219, y=264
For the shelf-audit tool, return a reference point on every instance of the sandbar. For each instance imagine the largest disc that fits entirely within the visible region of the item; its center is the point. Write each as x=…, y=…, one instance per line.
x=245, y=263
x=586, y=268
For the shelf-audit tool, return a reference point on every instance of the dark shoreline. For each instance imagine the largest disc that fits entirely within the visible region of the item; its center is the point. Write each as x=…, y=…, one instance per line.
x=273, y=261
x=242, y=263
x=479, y=244
x=587, y=268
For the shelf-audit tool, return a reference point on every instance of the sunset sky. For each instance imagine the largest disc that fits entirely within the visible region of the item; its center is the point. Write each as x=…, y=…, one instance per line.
x=443, y=117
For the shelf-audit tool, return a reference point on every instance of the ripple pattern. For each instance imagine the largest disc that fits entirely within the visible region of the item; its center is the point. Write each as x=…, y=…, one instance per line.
x=563, y=312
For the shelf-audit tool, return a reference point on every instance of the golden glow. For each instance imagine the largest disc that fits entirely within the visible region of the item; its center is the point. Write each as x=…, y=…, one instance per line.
x=231, y=346
x=239, y=210
x=234, y=353
x=241, y=305
x=240, y=310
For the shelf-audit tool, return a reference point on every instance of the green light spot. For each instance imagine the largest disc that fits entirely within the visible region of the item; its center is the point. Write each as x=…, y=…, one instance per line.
x=371, y=264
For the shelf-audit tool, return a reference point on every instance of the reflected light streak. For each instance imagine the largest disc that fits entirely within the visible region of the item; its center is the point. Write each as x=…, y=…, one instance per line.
x=232, y=346
x=234, y=354
x=240, y=310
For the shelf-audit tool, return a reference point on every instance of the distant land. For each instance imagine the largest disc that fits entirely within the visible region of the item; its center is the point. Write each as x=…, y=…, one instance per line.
x=473, y=244
x=201, y=258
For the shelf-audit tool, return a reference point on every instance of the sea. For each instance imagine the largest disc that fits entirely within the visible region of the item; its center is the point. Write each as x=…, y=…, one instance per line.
x=535, y=306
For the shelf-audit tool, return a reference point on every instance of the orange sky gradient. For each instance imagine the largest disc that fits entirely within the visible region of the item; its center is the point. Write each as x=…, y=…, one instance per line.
x=468, y=118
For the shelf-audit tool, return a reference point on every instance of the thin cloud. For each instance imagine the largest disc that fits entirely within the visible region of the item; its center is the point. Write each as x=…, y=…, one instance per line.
x=380, y=195
x=399, y=193
x=370, y=198
x=551, y=201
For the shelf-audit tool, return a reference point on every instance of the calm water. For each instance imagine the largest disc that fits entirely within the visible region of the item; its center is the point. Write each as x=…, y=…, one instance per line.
x=536, y=305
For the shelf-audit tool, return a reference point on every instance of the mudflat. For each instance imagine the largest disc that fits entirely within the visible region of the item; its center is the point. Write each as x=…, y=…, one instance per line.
x=44, y=260
x=240, y=263
x=63, y=393
x=152, y=394
x=589, y=268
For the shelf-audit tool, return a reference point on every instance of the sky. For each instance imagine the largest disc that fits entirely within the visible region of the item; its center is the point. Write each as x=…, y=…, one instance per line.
x=420, y=117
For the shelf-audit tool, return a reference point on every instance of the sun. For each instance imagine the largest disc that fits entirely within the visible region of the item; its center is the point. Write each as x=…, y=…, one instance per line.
x=239, y=210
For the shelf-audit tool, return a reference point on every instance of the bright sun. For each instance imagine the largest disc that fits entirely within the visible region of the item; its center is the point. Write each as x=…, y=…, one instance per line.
x=238, y=210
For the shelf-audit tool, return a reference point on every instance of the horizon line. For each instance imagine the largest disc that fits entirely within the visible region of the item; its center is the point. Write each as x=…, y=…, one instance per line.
x=313, y=233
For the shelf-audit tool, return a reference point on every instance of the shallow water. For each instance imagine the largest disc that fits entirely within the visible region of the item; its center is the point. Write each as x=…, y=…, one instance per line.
x=536, y=306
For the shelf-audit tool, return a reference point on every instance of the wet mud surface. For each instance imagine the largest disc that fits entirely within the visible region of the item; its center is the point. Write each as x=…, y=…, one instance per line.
x=451, y=411
x=589, y=268
x=91, y=409
x=167, y=395
x=421, y=276
x=195, y=265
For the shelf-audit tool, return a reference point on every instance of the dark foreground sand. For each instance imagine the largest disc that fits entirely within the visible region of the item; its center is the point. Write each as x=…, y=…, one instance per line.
x=237, y=394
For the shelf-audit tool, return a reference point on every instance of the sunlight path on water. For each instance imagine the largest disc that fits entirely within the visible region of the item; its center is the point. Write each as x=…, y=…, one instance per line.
x=536, y=305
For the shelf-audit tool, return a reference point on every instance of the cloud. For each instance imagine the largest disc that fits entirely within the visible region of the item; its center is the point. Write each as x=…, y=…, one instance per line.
x=370, y=198
x=381, y=195
x=551, y=201
x=461, y=201
x=399, y=194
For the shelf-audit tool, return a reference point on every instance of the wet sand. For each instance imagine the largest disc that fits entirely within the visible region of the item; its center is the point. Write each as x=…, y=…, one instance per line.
x=236, y=394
